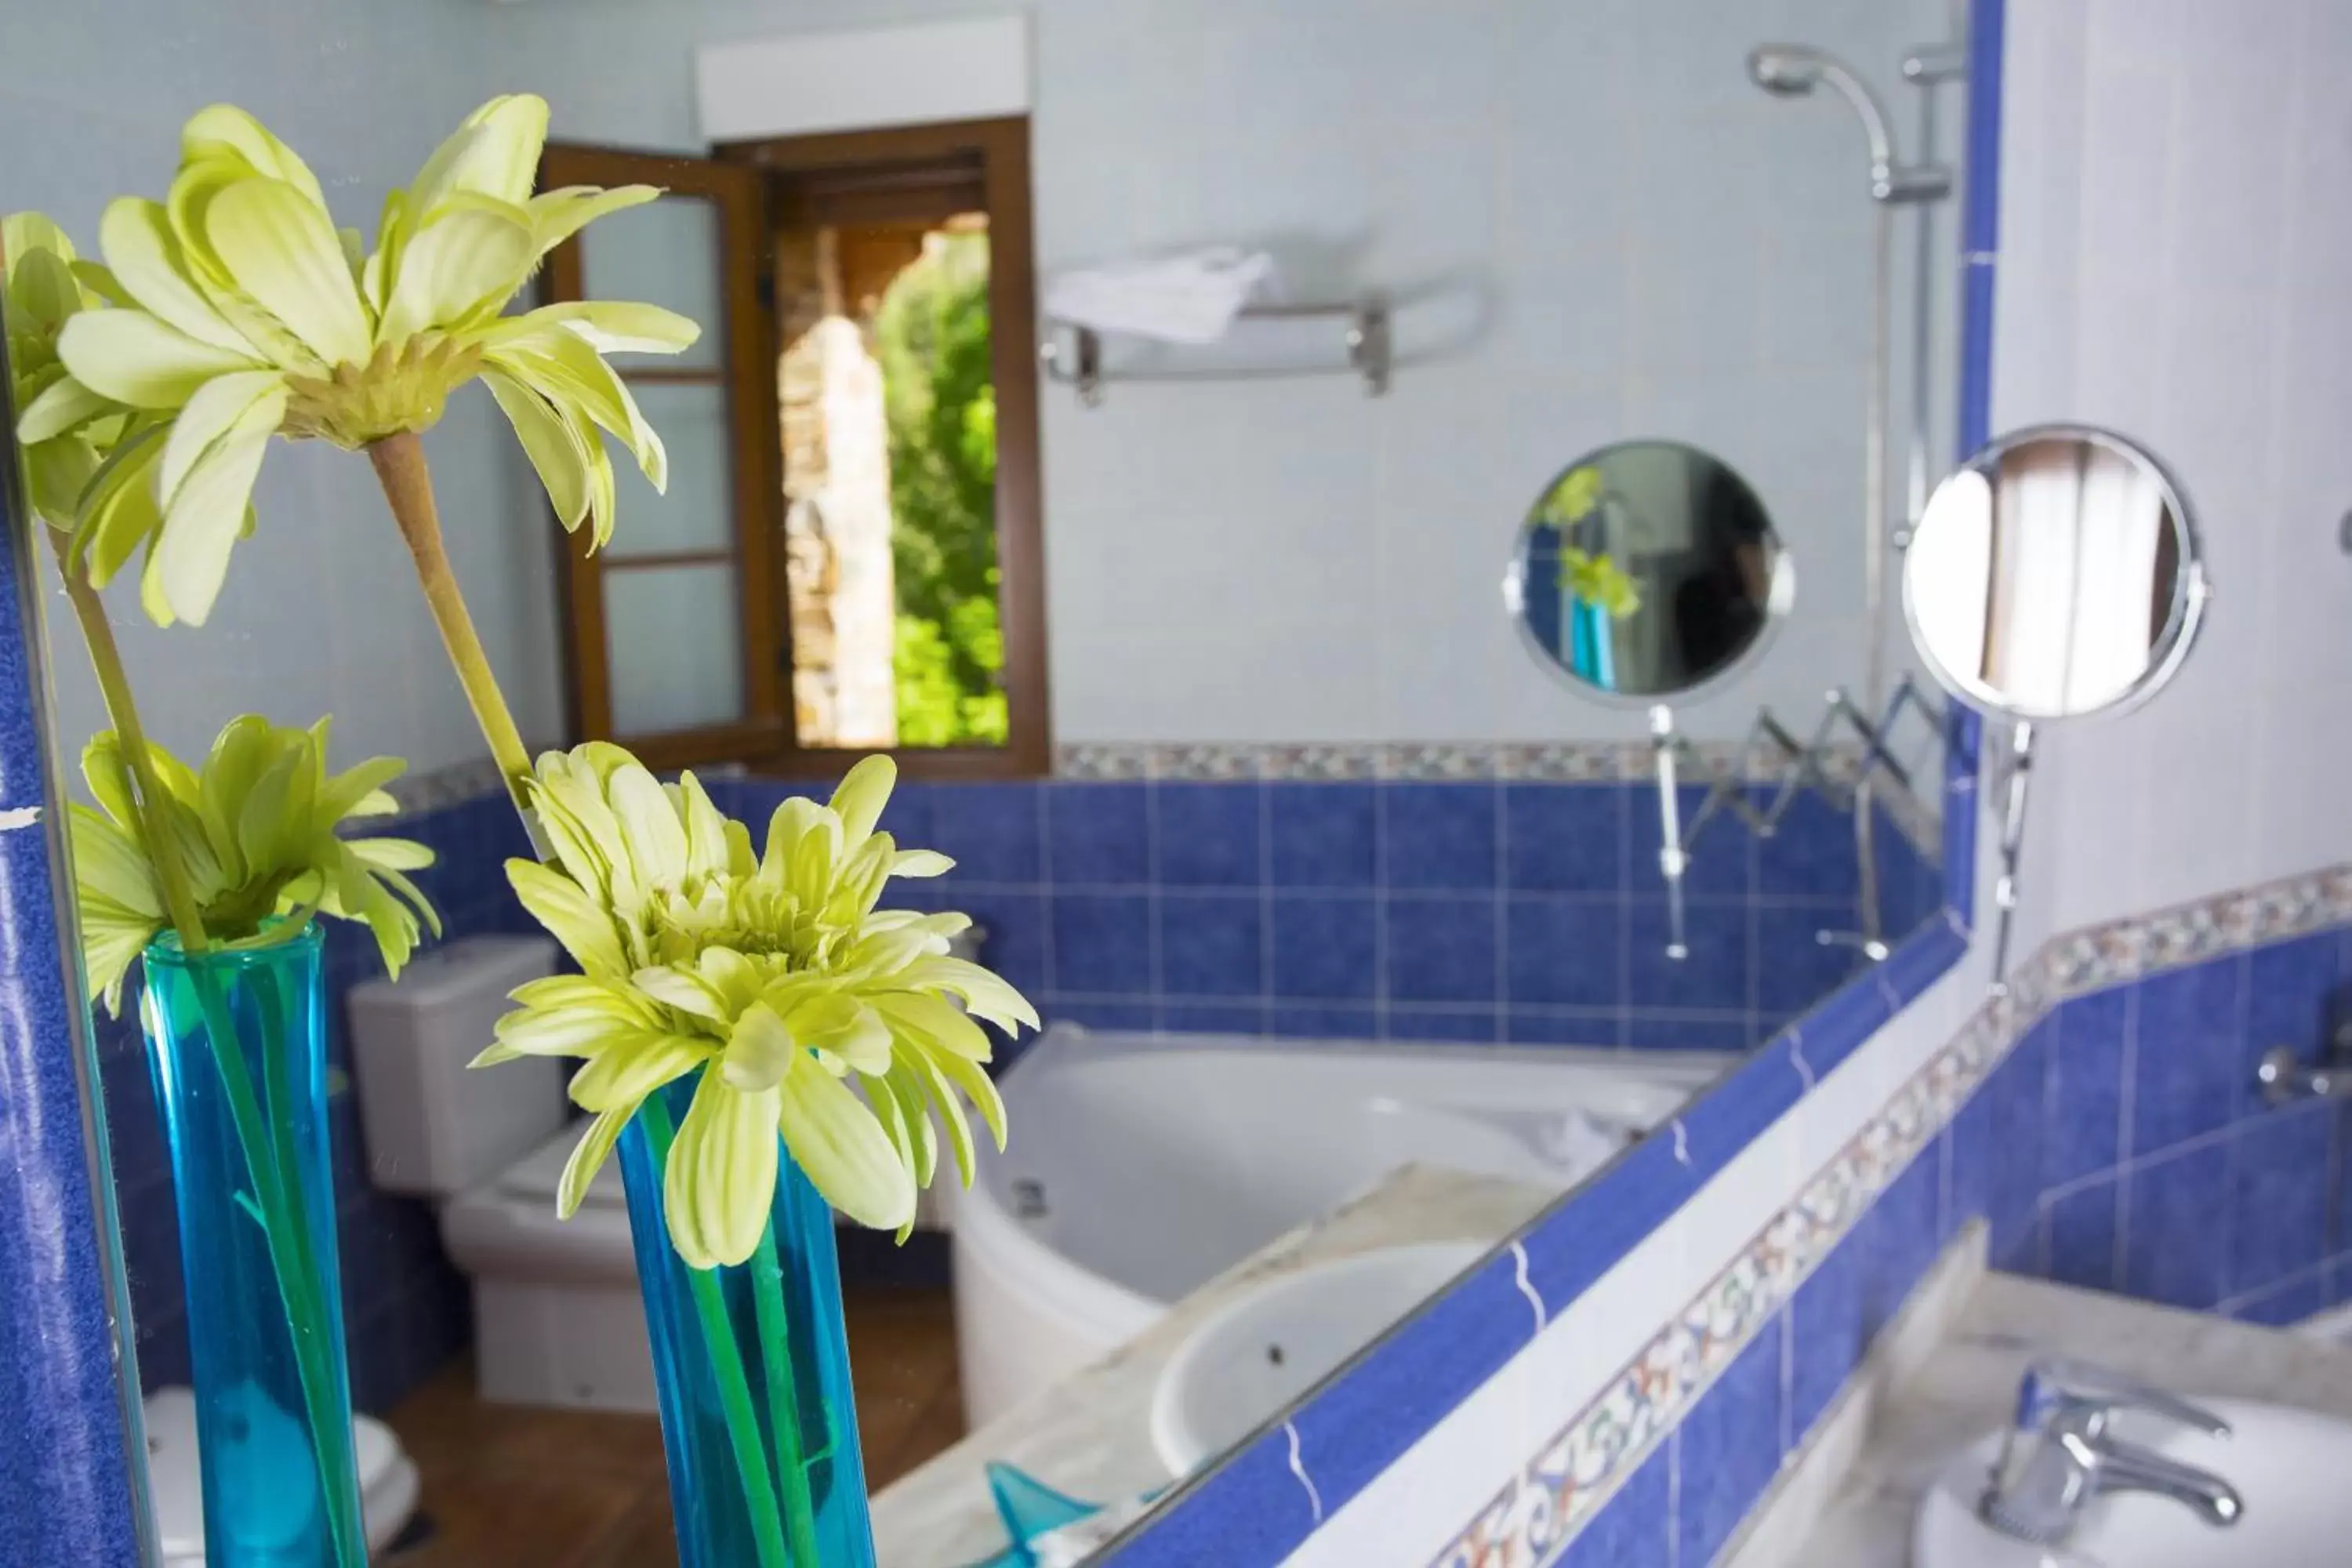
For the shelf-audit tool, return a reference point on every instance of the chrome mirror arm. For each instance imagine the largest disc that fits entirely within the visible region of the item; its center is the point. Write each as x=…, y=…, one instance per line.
x=2015, y=787
x=1673, y=858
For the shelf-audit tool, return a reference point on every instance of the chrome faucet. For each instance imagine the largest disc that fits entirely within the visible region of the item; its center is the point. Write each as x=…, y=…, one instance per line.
x=2060, y=1455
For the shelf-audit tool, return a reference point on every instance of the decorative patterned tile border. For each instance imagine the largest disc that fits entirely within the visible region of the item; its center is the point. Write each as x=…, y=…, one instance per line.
x=1535, y=1516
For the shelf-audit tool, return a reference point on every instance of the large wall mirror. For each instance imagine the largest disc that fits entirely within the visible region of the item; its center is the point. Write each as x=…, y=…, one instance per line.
x=1364, y=932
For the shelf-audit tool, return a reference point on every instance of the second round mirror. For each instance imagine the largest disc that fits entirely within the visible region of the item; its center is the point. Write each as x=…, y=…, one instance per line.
x=1646, y=570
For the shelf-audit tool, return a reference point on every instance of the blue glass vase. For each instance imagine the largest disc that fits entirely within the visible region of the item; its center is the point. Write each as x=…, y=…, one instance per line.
x=238, y=1041
x=752, y=1365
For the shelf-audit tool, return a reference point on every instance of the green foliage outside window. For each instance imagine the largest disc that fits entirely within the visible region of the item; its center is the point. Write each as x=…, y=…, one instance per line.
x=931, y=338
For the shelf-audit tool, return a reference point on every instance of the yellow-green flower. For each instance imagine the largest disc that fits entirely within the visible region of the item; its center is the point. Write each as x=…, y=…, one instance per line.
x=773, y=976
x=1572, y=499
x=257, y=835
x=244, y=313
x=1593, y=577
x=41, y=293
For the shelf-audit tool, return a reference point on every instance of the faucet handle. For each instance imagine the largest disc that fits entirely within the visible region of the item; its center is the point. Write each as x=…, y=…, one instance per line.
x=2059, y=1385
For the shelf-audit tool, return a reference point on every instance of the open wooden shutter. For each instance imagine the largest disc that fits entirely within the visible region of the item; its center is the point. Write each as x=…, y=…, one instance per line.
x=674, y=627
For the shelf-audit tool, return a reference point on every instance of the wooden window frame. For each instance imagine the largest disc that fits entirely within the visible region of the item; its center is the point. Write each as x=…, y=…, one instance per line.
x=766, y=737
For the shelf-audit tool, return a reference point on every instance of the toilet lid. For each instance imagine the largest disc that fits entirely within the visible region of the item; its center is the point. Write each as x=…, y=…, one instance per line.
x=173, y=1476
x=538, y=1174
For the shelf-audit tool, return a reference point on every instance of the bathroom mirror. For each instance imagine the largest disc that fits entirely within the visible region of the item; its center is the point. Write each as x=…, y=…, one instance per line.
x=1422, y=866
x=2055, y=577
x=1647, y=571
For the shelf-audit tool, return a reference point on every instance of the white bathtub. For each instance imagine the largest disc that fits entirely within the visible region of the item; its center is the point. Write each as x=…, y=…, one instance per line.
x=1140, y=1167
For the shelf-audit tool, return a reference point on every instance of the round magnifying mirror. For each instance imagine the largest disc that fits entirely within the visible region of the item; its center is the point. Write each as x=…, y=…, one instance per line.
x=2055, y=577
x=1647, y=571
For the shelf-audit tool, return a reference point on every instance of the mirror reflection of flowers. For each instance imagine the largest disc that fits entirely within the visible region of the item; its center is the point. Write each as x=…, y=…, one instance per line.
x=261, y=829
x=775, y=977
x=1591, y=575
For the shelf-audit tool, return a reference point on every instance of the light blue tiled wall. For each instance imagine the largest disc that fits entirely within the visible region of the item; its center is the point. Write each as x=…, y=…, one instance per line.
x=1523, y=912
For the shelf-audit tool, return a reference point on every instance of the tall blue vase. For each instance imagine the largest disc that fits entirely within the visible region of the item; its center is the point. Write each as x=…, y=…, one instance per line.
x=238, y=1041
x=752, y=1365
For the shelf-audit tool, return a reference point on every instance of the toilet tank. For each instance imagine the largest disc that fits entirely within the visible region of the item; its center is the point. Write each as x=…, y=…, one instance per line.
x=435, y=1129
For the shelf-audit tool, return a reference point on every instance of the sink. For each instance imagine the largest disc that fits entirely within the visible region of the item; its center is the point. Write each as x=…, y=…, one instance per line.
x=1259, y=1353
x=2289, y=1466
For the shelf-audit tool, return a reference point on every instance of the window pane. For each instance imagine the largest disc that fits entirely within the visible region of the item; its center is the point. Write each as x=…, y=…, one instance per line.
x=664, y=253
x=698, y=511
x=889, y=408
x=677, y=647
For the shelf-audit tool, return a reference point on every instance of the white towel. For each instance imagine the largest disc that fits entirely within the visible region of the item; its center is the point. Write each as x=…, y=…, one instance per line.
x=1188, y=298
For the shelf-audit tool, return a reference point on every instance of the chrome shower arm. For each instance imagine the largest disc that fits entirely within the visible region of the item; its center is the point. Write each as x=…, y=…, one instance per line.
x=1793, y=70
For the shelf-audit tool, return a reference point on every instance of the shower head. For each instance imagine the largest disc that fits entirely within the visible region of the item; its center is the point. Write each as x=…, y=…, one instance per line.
x=1784, y=70
x=1794, y=71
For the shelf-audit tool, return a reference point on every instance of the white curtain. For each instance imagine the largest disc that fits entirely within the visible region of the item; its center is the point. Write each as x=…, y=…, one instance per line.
x=2076, y=539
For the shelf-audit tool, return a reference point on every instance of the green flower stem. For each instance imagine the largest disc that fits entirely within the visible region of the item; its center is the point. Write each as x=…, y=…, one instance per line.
x=288, y=1242
x=783, y=1397
x=291, y=1258
x=123, y=712
x=734, y=1383
x=407, y=484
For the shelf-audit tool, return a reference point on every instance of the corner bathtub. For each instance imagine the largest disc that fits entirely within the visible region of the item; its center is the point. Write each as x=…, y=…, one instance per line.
x=1142, y=1166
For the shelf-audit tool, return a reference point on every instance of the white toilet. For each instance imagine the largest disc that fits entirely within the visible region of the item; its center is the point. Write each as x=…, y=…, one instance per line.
x=557, y=1318
x=387, y=1478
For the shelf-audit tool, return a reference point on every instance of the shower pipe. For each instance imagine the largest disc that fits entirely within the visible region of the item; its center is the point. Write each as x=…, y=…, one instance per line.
x=1797, y=71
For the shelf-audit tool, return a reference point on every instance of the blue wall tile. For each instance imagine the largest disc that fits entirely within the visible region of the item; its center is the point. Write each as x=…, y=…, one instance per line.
x=989, y=829
x=1715, y=975
x=1179, y=1018
x=1652, y=1031
x=1324, y=835
x=1013, y=945
x=1300, y=1021
x=1727, y=1449
x=1794, y=968
x=1440, y=948
x=1325, y=945
x=2187, y=1053
x=1125, y=1017
x=1102, y=943
x=1722, y=852
x=2088, y=1051
x=1634, y=1529
x=2081, y=1235
x=2286, y=1304
x=2176, y=1236
x=2289, y=987
x=1907, y=1226
x=1441, y=835
x=1826, y=1339
x=1565, y=952
x=2018, y=1090
x=1811, y=855
x=1601, y=1030
x=1097, y=835
x=1211, y=944
x=1565, y=838
x=2278, y=1197
x=1470, y=1024
x=1209, y=835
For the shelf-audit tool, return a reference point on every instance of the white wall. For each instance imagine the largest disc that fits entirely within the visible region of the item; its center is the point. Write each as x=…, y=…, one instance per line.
x=319, y=613
x=2174, y=265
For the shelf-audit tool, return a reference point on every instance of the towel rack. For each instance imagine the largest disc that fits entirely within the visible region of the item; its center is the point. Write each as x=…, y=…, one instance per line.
x=1366, y=338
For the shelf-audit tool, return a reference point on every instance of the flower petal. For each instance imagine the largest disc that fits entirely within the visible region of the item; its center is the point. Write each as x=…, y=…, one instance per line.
x=836, y=1138
x=761, y=1051
x=618, y=1078
x=465, y=258
x=863, y=790
x=62, y=404
x=556, y=216
x=549, y=440
x=281, y=248
x=137, y=359
x=721, y=1183
x=218, y=406
x=147, y=264
x=570, y=915
x=224, y=128
x=588, y=1157
x=649, y=826
x=204, y=518
x=610, y=326
x=494, y=153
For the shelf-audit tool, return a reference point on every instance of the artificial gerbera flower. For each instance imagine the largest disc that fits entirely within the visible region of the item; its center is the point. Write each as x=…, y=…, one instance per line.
x=42, y=293
x=775, y=977
x=243, y=314
x=257, y=835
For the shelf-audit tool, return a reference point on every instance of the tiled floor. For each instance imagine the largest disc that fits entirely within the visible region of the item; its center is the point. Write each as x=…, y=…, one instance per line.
x=506, y=1488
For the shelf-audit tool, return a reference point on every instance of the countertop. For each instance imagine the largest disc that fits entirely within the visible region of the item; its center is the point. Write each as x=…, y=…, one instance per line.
x=1900, y=1422
x=1089, y=1434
